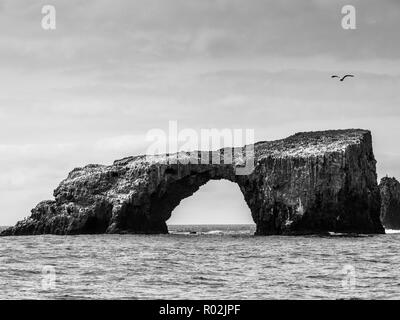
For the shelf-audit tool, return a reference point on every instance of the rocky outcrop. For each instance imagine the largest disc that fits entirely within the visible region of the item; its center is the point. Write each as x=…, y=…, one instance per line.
x=307, y=183
x=390, y=208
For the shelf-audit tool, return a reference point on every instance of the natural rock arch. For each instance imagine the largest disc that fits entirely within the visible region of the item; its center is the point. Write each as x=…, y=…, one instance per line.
x=176, y=183
x=307, y=183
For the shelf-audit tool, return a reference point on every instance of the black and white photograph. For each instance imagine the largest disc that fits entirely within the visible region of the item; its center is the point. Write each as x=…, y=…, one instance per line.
x=199, y=150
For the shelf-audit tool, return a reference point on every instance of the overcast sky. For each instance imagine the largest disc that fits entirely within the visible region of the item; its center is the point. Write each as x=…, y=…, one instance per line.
x=89, y=91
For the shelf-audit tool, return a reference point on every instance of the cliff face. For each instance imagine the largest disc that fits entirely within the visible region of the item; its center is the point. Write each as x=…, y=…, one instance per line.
x=308, y=183
x=390, y=209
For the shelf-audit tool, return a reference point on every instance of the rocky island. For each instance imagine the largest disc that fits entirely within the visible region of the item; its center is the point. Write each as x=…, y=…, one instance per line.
x=308, y=183
x=390, y=209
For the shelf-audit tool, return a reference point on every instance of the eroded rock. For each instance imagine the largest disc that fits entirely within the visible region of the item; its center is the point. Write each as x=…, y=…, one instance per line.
x=307, y=183
x=390, y=209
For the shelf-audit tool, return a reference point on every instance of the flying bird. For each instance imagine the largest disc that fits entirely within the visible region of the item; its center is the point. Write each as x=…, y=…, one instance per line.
x=344, y=77
x=347, y=75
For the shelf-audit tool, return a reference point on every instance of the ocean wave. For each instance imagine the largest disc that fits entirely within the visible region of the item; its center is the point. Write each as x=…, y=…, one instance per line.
x=199, y=265
x=212, y=232
x=390, y=231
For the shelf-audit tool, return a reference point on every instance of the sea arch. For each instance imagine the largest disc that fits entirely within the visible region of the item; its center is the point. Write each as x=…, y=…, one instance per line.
x=310, y=182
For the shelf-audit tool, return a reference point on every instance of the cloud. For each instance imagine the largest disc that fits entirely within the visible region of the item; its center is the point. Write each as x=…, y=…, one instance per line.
x=95, y=33
x=89, y=91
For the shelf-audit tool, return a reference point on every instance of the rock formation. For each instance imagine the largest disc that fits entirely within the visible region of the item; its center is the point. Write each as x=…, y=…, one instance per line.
x=390, y=205
x=305, y=184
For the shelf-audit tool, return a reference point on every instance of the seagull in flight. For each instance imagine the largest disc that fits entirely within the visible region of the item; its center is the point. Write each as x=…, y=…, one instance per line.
x=344, y=77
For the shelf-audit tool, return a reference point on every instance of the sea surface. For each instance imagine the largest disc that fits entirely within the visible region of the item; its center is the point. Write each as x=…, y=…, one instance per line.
x=200, y=262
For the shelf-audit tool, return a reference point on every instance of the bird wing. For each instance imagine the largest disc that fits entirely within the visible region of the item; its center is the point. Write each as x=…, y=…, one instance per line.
x=334, y=76
x=347, y=75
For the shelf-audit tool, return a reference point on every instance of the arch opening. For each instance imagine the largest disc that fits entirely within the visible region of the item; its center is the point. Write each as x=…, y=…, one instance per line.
x=218, y=202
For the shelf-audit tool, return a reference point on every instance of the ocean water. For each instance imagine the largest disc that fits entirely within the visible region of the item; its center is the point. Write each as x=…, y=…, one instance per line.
x=200, y=262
